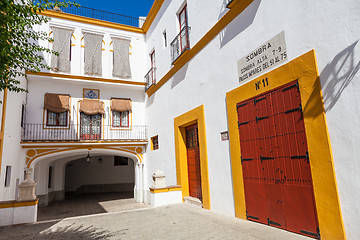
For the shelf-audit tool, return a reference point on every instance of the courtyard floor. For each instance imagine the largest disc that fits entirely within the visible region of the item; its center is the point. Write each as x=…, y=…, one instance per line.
x=86, y=204
x=180, y=221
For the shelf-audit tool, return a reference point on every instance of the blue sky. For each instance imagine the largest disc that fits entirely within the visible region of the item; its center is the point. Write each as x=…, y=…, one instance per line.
x=125, y=7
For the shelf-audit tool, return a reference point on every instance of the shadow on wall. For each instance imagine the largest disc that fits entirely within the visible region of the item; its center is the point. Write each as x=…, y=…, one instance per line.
x=239, y=24
x=179, y=76
x=338, y=74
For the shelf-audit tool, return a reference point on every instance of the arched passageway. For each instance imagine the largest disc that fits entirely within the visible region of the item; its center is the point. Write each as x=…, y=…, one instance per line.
x=82, y=181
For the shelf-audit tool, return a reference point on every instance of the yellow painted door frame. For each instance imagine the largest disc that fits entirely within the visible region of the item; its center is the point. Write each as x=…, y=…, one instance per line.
x=180, y=123
x=304, y=69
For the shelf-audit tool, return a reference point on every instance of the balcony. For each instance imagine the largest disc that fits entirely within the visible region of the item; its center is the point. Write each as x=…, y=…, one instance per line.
x=180, y=44
x=77, y=132
x=150, y=78
x=103, y=15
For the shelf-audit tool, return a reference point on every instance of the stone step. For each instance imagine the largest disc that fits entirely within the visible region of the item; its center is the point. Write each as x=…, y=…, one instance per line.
x=192, y=200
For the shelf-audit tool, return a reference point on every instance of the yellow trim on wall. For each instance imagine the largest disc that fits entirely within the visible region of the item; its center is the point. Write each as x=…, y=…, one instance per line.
x=194, y=116
x=132, y=149
x=152, y=14
x=2, y=132
x=212, y=33
x=304, y=69
x=86, y=78
x=71, y=17
x=165, y=189
x=15, y=204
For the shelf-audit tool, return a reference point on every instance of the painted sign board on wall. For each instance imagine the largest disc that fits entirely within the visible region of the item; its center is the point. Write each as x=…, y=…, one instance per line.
x=267, y=56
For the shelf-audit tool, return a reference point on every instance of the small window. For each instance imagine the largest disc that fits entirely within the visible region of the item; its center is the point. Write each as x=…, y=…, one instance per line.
x=154, y=143
x=152, y=59
x=56, y=119
x=50, y=177
x=164, y=38
x=7, y=176
x=120, y=119
x=121, y=161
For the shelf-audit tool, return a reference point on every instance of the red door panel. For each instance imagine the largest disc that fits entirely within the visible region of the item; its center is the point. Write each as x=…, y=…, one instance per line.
x=276, y=170
x=193, y=160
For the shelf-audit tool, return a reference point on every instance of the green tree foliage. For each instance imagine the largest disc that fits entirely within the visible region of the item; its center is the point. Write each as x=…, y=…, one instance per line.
x=19, y=49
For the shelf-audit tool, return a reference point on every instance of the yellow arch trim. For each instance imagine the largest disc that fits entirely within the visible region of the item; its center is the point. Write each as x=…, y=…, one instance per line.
x=194, y=116
x=303, y=68
x=51, y=151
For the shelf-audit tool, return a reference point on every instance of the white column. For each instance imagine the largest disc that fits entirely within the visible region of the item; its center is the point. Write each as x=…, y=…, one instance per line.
x=141, y=180
x=137, y=183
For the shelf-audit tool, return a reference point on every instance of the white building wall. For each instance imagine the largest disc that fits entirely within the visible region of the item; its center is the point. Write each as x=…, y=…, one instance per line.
x=81, y=173
x=12, y=154
x=329, y=29
x=136, y=48
x=39, y=86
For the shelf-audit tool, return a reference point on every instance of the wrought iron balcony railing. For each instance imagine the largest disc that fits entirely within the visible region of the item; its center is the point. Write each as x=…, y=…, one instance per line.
x=103, y=15
x=77, y=132
x=150, y=78
x=180, y=44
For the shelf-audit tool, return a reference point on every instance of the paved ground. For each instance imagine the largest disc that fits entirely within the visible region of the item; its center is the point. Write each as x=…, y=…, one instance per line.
x=180, y=221
x=86, y=204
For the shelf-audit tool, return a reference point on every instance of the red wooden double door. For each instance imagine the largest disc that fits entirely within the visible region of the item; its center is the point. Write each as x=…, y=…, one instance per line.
x=275, y=161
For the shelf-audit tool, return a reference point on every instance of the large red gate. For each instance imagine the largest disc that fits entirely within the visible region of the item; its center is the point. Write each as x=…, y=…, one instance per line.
x=275, y=161
x=193, y=160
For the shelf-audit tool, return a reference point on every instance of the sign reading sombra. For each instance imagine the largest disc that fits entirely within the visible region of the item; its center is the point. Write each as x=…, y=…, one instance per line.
x=267, y=56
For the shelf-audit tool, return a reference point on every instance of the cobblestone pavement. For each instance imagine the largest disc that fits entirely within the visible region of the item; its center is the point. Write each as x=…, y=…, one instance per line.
x=180, y=221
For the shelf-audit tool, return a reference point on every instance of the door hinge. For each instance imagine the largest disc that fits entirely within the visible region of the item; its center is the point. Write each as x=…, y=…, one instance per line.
x=273, y=223
x=242, y=123
x=245, y=159
x=317, y=235
x=258, y=100
x=306, y=156
x=241, y=105
x=251, y=217
x=292, y=86
x=261, y=118
x=265, y=158
x=299, y=108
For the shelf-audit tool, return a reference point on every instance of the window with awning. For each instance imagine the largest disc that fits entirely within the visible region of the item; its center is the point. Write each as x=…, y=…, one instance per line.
x=57, y=107
x=91, y=107
x=121, y=67
x=120, y=109
x=61, y=44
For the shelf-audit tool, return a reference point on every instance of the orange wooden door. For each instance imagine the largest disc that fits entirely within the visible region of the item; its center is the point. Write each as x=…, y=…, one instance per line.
x=193, y=160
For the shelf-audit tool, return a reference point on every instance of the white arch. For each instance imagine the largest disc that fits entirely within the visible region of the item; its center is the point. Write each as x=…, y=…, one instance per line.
x=73, y=154
x=83, y=151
